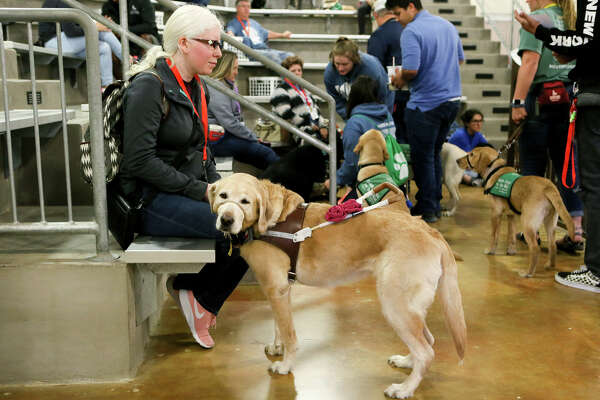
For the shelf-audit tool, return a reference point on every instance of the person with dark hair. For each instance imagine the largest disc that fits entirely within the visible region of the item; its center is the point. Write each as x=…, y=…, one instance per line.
x=253, y=34
x=346, y=64
x=296, y=105
x=581, y=44
x=469, y=137
x=363, y=12
x=384, y=44
x=366, y=112
x=141, y=20
x=431, y=55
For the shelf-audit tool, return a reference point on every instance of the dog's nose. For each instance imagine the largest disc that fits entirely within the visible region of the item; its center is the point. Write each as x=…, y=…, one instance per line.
x=226, y=221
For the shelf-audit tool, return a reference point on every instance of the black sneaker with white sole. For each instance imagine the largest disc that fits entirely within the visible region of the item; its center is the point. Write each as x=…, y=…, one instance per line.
x=581, y=278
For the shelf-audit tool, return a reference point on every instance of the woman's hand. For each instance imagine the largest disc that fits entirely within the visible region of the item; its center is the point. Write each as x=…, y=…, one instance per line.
x=207, y=189
x=528, y=23
x=286, y=34
x=324, y=133
x=326, y=184
x=518, y=114
x=101, y=28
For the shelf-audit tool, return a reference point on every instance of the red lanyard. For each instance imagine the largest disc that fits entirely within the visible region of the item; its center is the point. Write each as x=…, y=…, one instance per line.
x=569, y=150
x=306, y=100
x=246, y=28
x=204, y=117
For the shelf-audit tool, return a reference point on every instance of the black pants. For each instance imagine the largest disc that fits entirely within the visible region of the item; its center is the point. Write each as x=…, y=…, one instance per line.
x=588, y=145
x=363, y=14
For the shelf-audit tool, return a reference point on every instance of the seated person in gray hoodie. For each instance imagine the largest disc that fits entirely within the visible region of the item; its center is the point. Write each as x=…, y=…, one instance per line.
x=237, y=141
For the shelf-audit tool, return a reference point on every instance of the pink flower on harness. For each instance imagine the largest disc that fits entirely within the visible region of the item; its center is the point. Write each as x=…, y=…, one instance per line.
x=338, y=213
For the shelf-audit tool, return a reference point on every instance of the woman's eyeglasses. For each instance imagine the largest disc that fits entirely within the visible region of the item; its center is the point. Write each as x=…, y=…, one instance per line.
x=215, y=44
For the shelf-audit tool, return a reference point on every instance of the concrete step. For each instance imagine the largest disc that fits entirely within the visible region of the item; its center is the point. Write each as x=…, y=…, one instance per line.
x=467, y=33
x=484, y=75
x=493, y=92
x=488, y=60
x=491, y=108
x=20, y=94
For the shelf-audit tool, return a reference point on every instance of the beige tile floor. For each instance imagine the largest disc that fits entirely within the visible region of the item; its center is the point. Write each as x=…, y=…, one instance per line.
x=528, y=339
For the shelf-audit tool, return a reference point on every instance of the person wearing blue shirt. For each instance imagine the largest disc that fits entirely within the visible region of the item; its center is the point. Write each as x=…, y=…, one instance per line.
x=469, y=137
x=253, y=34
x=431, y=55
x=366, y=112
x=346, y=64
x=384, y=44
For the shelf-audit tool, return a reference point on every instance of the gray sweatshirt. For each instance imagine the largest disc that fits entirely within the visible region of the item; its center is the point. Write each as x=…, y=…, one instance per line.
x=225, y=111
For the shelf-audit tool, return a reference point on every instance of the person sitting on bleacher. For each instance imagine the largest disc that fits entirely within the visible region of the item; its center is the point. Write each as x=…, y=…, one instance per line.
x=469, y=137
x=254, y=35
x=167, y=164
x=366, y=112
x=141, y=20
x=345, y=65
x=73, y=41
x=296, y=105
x=237, y=141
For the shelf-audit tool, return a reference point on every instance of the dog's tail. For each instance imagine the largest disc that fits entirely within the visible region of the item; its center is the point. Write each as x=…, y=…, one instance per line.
x=452, y=301
x=553, y=196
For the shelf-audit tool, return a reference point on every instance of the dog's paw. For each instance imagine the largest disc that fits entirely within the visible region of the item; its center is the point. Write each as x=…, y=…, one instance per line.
x=489, y=252
x=548, y=267
x=398, y=391
x=401, y=361
x=274, y=349
x=511, y=251
x=525, y=274
x=448, y=213
x=279, y=367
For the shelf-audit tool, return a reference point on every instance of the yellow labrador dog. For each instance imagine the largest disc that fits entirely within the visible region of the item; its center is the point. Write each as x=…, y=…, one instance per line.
x=409, y=259
x=536, y=198
x=372, y=154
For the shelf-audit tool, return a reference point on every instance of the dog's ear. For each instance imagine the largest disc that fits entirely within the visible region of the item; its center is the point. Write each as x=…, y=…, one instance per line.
x=275, y=204
x=291, y=201
x=359, y=146
x=264, y=206
x=210, y=194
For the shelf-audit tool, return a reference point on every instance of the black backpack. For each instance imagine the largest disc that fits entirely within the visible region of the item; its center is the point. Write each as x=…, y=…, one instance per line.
x=112, y=121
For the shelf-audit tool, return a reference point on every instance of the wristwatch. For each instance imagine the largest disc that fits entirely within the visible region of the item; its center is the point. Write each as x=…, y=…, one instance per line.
x=517, y=103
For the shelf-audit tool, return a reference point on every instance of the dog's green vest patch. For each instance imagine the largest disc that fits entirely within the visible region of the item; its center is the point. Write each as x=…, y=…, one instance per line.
x=371, y=183
x=504, y=184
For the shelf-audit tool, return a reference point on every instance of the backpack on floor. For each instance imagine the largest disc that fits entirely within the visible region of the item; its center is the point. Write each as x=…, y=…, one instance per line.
x=112, y=121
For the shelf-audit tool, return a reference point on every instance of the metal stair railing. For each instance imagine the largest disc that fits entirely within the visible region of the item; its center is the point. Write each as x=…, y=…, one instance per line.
x=99, y=227
x=330, y=148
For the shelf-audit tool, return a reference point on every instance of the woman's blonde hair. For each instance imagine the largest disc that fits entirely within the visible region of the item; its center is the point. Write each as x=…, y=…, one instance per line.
x=569, y=13
x=224, y=65
x=345, y=47
x=187, y=21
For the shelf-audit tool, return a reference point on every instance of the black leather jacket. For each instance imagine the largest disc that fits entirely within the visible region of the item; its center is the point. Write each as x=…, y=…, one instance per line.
x=152, y=142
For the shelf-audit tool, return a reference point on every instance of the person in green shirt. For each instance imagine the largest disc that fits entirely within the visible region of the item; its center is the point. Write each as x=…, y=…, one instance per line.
x=546, y=118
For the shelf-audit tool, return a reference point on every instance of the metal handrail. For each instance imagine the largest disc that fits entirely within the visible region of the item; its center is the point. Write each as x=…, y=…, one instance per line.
x=99, y=227
x=331, y=148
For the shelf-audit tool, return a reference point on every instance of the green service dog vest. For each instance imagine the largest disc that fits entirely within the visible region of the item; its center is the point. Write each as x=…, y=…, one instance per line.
x=372, y=182
x=503, y=187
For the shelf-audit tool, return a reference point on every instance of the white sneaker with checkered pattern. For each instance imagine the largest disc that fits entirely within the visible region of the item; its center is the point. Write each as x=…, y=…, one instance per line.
x=581, y=278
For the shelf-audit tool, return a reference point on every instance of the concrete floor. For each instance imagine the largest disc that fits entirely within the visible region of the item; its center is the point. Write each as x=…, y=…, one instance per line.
x=527, y=339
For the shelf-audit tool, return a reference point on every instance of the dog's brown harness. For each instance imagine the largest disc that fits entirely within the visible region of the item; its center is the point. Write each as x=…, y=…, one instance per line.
x=292, y=224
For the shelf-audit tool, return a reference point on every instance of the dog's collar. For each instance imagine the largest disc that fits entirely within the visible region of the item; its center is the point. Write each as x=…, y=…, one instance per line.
x=490, y=172
x=369, y=165
x=469, y=162
x=240, y=239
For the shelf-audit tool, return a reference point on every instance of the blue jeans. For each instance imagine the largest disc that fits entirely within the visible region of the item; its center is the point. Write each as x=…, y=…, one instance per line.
x=588, y=142
x=243, y=150
x=426, y=133
x=171, y=214
x=108, y=43
x=545, y=134
x=275, y=55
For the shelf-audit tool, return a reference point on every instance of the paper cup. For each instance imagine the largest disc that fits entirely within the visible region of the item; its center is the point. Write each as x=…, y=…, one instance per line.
x=391, y=72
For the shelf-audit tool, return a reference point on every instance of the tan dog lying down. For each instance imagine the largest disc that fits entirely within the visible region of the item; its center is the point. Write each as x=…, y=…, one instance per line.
x=371, y=149
x=407, y=257
x=536, y=198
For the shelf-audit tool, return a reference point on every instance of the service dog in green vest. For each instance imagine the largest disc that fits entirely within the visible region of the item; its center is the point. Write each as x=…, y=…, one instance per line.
x=372, y=156
x=536, y=199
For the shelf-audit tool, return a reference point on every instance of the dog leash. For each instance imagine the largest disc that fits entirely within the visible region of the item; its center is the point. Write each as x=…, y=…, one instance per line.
x=512, y=139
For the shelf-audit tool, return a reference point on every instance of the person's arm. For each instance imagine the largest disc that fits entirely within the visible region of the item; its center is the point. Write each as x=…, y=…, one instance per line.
x=144, y=97
x=568, y=42
x=529, y=65
x=148, y=24
x=220, y=107
x=348, y=171
x=340, y=101
x=277, y=35
x=411, y=59
x=461, y=51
